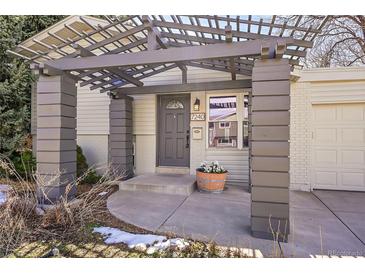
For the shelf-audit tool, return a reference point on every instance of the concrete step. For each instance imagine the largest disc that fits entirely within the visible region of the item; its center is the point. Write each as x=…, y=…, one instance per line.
x=160, y=183
x=172, y=170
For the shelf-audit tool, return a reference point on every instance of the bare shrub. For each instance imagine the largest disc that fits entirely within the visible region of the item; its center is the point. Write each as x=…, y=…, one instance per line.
x=22, y=219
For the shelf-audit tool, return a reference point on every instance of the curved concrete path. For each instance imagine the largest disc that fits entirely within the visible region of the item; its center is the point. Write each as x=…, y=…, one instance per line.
x=225, y=219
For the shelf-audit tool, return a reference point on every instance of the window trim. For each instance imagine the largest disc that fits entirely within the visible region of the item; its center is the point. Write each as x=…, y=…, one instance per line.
x=239, y=117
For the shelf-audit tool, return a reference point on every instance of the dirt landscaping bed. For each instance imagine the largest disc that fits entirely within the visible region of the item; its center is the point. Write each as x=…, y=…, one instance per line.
x=51, y=241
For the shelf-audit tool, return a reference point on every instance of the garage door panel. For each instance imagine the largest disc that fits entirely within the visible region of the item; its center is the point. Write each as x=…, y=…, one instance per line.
x=338, y=147
x=352, y=136
x=352, y=113
x=325, y=114
x=325, y=135
x=353, y=157
x=325, y=157
x=353, y=179
x=325, y=178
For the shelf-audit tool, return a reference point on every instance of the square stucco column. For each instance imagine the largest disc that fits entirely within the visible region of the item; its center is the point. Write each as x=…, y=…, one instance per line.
x=269, y=163
x=56, y=137
x=121, y=137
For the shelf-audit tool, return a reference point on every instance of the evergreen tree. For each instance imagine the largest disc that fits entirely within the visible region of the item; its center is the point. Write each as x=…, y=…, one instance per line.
x=16, y=79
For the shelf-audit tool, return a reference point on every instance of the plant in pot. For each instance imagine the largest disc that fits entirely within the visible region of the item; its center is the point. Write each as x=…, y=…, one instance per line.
x=211, y=177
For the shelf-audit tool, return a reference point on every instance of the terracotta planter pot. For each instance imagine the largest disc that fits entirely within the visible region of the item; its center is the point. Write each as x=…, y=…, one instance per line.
x=211, y=182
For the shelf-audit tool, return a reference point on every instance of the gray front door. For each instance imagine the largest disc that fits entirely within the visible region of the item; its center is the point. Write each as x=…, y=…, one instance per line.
x=174, y=112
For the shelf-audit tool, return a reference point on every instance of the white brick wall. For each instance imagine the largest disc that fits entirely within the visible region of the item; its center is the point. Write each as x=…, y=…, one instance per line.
x=300, y=136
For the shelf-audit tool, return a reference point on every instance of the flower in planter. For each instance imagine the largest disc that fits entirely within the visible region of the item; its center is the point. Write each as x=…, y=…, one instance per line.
x=211, y=167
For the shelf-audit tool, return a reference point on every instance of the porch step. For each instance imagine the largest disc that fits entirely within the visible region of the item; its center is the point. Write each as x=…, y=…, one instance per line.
x=172, y=170
x=160, y=183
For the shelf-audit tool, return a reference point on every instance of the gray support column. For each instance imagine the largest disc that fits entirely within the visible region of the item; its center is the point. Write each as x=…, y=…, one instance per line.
x=121, y=137
x=270, y=149
x=249, y=137
x=56, y=137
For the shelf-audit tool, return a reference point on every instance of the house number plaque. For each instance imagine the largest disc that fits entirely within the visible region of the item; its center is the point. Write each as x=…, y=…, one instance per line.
x=197, y=116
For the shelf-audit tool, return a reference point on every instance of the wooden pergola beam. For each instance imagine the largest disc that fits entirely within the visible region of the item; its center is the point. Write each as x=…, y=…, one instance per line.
x=213, y=66
x=170, y=55
x=189, y=87
x=207, y=40
x=154, y=39
x=229, y=39
x=85, y=52
x=145, y=75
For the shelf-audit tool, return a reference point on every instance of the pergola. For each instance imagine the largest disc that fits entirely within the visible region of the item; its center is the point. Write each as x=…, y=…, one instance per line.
x=118, y=53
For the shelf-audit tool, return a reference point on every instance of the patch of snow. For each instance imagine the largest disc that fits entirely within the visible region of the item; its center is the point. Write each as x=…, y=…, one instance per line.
x=151, y=250
x=140, y=247
x=103, y=193
x=114, y=236
x=139, y=241
x=4, y=188
x=2, y=198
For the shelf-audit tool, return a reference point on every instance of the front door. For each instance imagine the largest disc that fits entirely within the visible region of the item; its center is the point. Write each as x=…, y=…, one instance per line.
x=174, y=145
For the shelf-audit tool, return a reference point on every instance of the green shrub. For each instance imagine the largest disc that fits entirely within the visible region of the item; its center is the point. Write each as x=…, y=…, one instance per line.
x=24, y=164
x=91, y=177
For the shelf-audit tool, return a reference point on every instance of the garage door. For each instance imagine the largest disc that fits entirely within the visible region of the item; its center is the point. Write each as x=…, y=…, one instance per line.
x=338, y=147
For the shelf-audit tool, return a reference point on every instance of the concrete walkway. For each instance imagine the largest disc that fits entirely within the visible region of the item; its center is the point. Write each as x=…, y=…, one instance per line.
x=225, y=219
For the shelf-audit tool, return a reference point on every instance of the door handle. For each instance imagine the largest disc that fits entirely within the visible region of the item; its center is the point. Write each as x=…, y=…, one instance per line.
x=187, y=139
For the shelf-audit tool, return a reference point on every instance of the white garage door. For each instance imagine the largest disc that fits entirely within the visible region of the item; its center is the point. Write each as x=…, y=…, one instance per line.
x=338, y=147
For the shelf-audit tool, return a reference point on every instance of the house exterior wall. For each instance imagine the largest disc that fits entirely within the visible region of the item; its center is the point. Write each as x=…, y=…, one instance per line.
x=145, y=123
x=144, y=130
x=312, y=87
x=316, y=87
x=300, y=135
x=92, y=125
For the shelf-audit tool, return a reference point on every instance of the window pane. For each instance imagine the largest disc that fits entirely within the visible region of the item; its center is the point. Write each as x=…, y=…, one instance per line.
x=221, y=108
x=245, y=107
x=245, y=134
x=174, y=104
x=222, y=134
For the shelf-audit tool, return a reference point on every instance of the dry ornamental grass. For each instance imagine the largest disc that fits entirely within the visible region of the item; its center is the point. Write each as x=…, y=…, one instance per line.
x=23, y=220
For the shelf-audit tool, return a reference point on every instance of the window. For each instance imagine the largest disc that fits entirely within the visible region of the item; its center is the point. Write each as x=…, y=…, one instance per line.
x=245, y=134
x=245, y=122
x=245, y=107
x=228, y=121
x=222, y=126
x=174, y=104
x=222, y=108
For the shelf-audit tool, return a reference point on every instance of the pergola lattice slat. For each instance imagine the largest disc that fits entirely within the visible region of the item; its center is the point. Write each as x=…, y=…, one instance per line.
x=128, y=38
